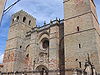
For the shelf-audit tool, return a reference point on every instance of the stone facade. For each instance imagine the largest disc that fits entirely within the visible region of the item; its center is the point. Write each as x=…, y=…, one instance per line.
x=81, y=33
x=29, y=47
x=61, y=44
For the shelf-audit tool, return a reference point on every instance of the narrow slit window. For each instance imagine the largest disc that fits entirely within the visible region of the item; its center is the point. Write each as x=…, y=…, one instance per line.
x=80, y=65
x=20, y=47
x=79, y=45
x=78, y=29
x=27, y=55
x=12, y=20
x=17, y=18
x=24, y=19
x=30, y=22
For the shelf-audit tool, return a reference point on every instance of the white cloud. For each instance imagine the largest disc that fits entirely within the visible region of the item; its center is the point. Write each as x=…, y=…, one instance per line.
x=1, y=58
x=40, y=9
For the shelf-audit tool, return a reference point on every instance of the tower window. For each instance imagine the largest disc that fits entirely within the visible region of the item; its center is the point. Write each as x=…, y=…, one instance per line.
x=12, y=20
x=79, y=45
x=20, y=47
x=24, y=19
x=17, y=17
x=29, y=22
x=27, y=55
x=80, y=65
x=78, y=29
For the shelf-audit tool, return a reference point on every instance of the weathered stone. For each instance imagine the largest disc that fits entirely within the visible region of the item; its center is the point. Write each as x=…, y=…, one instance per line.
x=60, y=45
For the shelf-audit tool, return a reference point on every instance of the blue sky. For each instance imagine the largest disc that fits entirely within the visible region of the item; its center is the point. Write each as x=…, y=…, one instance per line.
x=42, y=10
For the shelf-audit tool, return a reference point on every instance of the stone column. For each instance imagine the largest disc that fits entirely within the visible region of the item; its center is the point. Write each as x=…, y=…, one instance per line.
x=54, y=49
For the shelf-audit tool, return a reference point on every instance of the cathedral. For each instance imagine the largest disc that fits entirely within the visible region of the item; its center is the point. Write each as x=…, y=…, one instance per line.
x=63, y=44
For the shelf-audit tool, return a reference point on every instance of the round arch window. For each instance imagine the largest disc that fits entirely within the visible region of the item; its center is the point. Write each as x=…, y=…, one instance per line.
x=45, y=43
x=17, y=17
x=24, y=19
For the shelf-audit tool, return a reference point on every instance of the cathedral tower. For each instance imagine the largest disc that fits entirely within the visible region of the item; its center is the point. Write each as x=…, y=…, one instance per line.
x=81, y=33
x=13, y=57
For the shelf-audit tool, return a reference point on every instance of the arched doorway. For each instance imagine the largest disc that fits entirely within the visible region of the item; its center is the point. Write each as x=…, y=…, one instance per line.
x=42, y=69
